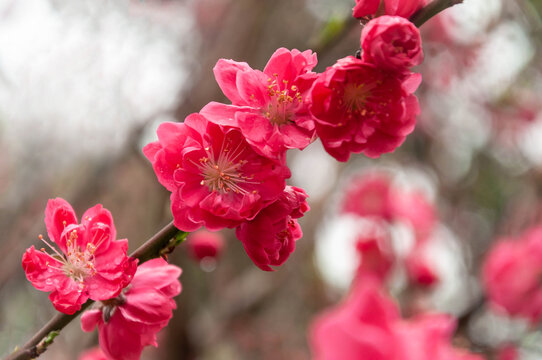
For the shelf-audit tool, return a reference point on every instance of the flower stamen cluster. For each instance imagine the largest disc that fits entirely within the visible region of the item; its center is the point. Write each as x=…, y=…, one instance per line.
x=224, y=173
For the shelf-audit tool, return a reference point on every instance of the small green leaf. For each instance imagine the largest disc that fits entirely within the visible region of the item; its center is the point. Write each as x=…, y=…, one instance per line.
x=50, y=337
x=180, y=237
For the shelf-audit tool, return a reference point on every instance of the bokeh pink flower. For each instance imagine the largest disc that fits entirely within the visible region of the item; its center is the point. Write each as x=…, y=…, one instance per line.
x=512, y=273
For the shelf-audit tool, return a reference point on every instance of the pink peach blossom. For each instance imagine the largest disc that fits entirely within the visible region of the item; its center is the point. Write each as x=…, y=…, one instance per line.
x=216, y=178
x=269, y=107
x=360, y=108
x=91, y=263
x=270, y=237
x=131, y=321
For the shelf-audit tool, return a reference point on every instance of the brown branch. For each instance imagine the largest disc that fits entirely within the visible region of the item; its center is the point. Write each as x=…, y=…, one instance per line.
x=432, y=9
x=167, y=238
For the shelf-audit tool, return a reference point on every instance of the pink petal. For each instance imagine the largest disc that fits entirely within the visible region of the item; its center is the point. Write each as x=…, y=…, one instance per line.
x=226, y=72
x=90, y=319
x=58, y=214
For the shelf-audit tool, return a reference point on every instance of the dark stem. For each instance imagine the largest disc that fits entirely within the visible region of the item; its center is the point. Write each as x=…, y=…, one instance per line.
x=432, y=9
x=152, y=248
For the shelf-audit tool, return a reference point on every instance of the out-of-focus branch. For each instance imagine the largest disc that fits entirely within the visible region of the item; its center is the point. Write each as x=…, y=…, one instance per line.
x=432, y=9
x=160, y=244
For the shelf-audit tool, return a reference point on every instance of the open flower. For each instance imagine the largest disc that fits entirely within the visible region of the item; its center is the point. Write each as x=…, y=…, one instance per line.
x=216, y=178
x=269, y=107
x=131, y=321
x=270, y=238
x=360, y=108
x=90, y=263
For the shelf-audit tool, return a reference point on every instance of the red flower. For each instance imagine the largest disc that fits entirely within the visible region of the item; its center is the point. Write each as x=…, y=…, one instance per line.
x=202, y=244
x=216, y=178
x=359, y=108
x=512, y=273
x=392, y=42
x=269, y=107
x=368, y=326
x=404, y=8
x=270, y=238
x=90, y=263
x=130, y=322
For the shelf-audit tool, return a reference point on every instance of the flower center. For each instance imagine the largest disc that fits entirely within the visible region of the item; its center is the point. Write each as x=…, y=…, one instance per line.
x=355, y=97
x=223, y=173
x=76, y=264
x=283, y=103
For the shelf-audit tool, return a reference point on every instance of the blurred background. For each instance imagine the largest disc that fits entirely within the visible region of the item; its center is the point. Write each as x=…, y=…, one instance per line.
x=84, y=85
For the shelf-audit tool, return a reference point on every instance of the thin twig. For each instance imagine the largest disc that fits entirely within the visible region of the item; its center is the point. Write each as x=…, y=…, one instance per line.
x=432, y=9
x=44, y=337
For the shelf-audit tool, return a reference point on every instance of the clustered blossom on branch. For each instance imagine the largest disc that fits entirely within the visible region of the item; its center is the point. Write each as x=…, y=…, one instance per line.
x=367, y=105
x=226, y=165
x=226, y=168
